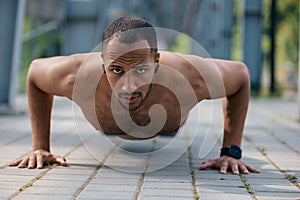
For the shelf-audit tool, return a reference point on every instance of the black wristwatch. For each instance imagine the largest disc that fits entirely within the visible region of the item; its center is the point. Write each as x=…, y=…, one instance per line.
x=232, y=151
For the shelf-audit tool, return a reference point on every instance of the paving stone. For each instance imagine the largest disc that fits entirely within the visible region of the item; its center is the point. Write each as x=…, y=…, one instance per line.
x=224, y=196
x=87, y=195
x=115, y=181
x=14, y=178
x=112, y=188
x=27, y=196
x=58, y=183
x=167, y=192
x=275, y=188
x=149, y=197
x=6, y=193
x=70, y=171
x=50, y=190
x=215, y=176
x=168, y=185
x=224, y=189
x=277, y=195
x=67, y=177
x=219, y=182
x=260, y=181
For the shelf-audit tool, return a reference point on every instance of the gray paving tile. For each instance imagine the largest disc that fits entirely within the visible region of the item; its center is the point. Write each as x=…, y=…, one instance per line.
x=112, y=188
x=27, y=196
x=105, y=195
x=6, y=193
x=167, y=192
x=276, y=188
x=50, y=190
x=224, y=196
x=149, y=197
x=167, y=185
x=277, y=195
x=222, y=188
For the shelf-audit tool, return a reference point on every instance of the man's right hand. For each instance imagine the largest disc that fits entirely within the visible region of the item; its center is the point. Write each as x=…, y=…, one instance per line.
x=37, y=159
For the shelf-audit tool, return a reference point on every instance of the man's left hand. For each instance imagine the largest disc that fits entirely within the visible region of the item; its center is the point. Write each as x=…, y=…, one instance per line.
x=225, y=162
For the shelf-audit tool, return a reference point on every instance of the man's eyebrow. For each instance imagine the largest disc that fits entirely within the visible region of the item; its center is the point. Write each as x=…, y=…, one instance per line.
x=115, y=66
x=142, y=65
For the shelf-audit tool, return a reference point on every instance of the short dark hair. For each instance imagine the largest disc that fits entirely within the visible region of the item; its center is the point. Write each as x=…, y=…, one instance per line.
x=130, y=30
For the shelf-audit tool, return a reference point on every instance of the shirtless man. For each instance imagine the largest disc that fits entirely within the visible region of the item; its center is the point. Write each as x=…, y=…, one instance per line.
x=134, y=75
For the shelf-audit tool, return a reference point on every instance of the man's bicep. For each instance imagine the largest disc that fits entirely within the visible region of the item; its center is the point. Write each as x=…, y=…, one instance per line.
x=234, y=75
x=52, y=75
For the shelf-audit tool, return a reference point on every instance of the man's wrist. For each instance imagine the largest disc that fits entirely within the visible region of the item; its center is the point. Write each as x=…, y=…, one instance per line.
x=233, y=151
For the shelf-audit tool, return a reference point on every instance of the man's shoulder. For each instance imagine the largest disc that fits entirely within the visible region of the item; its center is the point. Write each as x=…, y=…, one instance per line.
x=79, y=59
x=175, y=59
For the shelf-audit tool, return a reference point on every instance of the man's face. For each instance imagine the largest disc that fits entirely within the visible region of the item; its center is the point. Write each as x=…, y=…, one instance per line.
x=129, y=70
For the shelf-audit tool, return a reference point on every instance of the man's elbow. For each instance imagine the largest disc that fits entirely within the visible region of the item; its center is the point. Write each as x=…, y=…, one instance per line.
x=244, y=72
x=32, y=70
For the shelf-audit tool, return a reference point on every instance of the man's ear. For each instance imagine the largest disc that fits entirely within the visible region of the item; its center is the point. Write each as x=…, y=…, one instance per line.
x=103, y=68
x=157, y=57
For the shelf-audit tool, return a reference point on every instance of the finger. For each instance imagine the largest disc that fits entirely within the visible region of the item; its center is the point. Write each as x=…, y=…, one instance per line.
x=23, y=163
x=205, y=165
x=40, y=161
x=243, y=168
x=32, y=162
x=235, y=168
x=14, y=163
x=252, y=169
x=223, y=168
x=61, y=161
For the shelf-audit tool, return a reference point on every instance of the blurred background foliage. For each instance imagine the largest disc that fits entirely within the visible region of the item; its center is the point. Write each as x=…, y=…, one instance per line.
x=287, y=41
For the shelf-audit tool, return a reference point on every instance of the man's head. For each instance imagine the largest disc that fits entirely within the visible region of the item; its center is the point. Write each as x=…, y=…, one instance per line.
x=129, y=51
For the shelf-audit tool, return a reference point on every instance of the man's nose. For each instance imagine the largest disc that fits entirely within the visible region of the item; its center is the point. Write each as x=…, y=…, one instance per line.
x=129, y=84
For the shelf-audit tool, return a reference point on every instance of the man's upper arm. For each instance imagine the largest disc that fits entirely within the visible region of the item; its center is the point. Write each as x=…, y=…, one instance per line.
x=219, y=78
x=54, y=75
x=234, y=74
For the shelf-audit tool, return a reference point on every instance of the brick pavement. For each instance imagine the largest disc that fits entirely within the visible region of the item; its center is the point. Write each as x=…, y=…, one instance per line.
x=99, y=170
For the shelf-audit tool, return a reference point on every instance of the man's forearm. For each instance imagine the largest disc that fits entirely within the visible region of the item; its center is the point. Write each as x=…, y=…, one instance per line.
x=40, y=105
x=235, y=111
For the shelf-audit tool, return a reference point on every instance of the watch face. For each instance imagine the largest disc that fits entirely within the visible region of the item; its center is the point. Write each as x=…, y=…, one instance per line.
x=235, y=151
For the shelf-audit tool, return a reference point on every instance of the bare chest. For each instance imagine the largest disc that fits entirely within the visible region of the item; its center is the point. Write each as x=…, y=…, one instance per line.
x=112, y=121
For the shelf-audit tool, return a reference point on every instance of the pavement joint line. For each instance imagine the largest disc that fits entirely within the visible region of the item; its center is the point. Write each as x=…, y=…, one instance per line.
x=272, y=134
x=191, y=167
x=30, y=183
x=6, y=165
x=140, y=185
x=287, y=176
x=192, y=172
x=94, y=173
x=247, y=186
x=38, y=177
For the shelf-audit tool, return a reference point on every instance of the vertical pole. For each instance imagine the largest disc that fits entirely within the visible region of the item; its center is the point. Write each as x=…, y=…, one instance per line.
x=252, y=31
x=17, y=51
x=228, y=28
x=299, y=75
x=8, y=13
x=273, y=46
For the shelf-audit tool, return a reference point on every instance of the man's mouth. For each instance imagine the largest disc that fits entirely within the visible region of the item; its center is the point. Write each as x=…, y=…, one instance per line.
x=130, y=99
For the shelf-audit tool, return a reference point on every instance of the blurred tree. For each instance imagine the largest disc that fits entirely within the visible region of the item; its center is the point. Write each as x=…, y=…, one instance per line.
x=288, y=30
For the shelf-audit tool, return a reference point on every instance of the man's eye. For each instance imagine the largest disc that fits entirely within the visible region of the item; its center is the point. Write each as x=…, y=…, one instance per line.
x=117, y=71
x=140, y=70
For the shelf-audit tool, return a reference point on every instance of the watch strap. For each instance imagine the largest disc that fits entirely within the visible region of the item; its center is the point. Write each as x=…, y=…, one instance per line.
x=233, y=151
